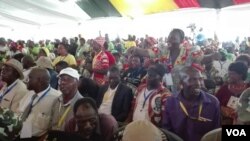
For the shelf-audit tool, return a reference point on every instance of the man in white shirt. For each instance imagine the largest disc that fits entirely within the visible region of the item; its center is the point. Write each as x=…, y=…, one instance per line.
x=150, y=97
x=115, y=98
x=36, y=106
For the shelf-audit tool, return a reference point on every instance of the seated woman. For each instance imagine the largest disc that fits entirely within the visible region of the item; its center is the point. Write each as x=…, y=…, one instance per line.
x=229, y=94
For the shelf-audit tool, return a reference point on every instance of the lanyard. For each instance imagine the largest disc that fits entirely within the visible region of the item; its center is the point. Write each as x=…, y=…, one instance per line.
x=31, y=105
x=146, y=98
x=59, y=124
x=185, y=110
x=44, y=94
x=221, y=64
x=62, y=58
x=7, y=91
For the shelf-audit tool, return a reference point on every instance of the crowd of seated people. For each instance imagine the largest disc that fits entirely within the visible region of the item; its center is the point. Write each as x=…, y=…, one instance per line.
x=122, y=90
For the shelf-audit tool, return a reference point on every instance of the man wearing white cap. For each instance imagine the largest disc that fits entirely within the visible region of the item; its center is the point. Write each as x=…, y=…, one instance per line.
x=63, y=110
x=15, y=89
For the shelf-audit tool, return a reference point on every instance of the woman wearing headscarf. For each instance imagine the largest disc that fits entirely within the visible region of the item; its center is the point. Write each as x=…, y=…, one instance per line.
x=100, y=62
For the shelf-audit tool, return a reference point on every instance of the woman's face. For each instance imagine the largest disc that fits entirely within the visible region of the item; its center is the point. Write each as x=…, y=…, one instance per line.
x=234, y=77
x=61, y=50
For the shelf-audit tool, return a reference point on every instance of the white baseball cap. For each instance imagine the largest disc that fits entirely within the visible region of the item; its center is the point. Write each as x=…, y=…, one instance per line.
x=71, y=72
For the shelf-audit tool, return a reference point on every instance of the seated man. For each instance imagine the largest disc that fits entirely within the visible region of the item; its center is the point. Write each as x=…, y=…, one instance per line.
x=36, y=106
x=14, y=89
x=89, y=124
x=150, y=98
x=115, y=98
x=136, y=72
x=63, y=109
x=193, y=112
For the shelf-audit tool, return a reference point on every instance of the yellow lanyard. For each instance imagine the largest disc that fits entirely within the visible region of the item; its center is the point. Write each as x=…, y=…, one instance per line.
x=59, y=124
x=185, y=110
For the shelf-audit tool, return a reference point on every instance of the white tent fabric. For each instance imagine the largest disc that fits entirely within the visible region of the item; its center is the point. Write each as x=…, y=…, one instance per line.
x=227, y=23
x=35, y=13
x=49, y=19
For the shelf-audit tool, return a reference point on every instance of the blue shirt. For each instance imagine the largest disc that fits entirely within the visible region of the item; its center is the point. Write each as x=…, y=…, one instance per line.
x=53, y=79
x=175, y=119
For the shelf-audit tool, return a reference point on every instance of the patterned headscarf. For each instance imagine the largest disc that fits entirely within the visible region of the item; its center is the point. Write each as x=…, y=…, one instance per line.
x=151, y=41
x=13, y=45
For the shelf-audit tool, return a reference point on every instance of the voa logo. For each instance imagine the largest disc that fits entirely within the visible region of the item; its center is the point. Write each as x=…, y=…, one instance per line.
x=236, y=132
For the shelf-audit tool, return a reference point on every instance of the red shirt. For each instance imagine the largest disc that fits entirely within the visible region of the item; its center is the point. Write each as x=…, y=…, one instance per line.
x=111, y=58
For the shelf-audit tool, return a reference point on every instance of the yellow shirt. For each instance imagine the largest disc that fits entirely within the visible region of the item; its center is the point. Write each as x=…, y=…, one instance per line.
x=70, y=59
x=129, y=44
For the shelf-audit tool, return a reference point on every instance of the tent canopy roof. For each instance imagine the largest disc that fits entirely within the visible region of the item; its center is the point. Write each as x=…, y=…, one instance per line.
x=132, y=8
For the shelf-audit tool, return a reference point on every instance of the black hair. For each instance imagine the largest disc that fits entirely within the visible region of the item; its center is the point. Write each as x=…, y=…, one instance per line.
x=159, y=69
x=63, y=64
x=66, y=46
x=30, y=61
x=180, y=32
x=87, y=102
x=88, y=87
x=82, y=39
x=114, y=68
x=240, y=68
x=209, y=84
x=243, y=57
x=18, y=57
x=137, y=56
x=106, y=45
x=185, y=70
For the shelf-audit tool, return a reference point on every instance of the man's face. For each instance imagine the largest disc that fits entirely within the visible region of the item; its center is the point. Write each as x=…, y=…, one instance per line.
x=30, y=44
x=58, y=68
x=174, y=39
x=25, y=63
x=86, y=120
x=82, y=42
x=113, y=78
x=192, y=82
x=33, y=81
x=153, y=79
x=67, y=84
x=7, y=72
x=72, y=41
x=135, y=62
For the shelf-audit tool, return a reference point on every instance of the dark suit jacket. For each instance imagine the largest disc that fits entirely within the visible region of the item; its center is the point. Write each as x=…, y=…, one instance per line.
x=121, y=103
